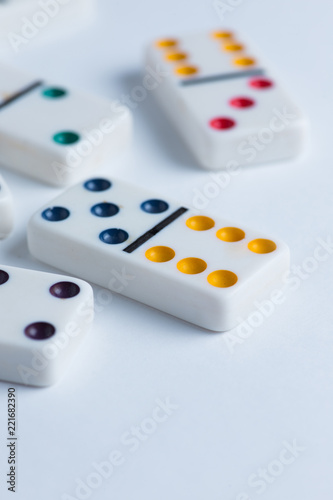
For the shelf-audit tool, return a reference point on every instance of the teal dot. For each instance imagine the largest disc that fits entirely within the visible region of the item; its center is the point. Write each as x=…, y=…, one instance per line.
x=66, y=137
x=54, y=92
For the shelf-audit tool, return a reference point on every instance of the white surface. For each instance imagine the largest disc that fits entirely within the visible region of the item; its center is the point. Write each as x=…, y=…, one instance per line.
x=6, y=209
x=272, y=129
x=235, y=409
x=74, y=245
x=103, y=129
x=26, y=299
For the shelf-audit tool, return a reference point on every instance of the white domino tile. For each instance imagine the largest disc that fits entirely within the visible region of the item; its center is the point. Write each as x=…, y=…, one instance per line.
x=201, y=268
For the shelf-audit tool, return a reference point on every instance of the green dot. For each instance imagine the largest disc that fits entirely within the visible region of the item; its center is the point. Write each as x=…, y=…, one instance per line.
x=54, y=92
x=66, y=137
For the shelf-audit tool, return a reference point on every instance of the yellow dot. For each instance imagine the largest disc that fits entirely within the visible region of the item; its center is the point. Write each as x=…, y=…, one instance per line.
x=222, y=279
x=200, y=223
x=245, y=61
x=233, y=47
x=186, y=70
x=262, y=246
x=160, y=254
x=230, y=234
x=222, y=34
x=166, y=43
x=175, y=56
x=191, y=265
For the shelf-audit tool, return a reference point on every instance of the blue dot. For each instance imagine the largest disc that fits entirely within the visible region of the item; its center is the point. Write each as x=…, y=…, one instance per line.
x=104, y=209
x=54, y=214
x=97, y=185
x=154, y=206
x=113, y=236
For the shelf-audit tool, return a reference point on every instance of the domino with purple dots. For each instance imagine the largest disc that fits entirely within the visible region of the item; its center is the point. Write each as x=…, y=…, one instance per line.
x=223, y=101
x=199, y=268
x=54, y=134
x=6, y=210
x=44, y=318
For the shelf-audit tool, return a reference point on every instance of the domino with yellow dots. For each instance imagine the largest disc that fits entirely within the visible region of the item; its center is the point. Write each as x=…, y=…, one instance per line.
x=223, y=101
x=199, y=268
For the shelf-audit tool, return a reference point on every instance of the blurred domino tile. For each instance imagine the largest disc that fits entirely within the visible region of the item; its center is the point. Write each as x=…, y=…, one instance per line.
x=70, y=134
x=228, y=108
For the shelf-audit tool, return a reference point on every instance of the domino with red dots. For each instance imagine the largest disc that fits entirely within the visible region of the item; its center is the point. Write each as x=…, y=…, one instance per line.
x=55, y=313
x=54, y=134
x=202, y=269
x=6, y=210
x=223, y=101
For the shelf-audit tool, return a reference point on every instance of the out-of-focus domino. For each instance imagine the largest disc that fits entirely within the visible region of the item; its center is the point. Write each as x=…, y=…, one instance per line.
x=6, y=210
x=54, y=134
x=30, y=22
x=43, y=320
x=225, y=104
x=199, y=268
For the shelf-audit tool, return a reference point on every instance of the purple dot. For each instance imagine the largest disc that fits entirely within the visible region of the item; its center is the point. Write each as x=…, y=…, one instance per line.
x=39, y=331
x=4, y=277
x=64, y=290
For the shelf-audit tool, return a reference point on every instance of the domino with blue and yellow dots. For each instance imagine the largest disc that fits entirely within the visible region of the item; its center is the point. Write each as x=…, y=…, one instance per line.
x=222, y=100
x=54, y=134
x=26, y=22
x=6, y=210
x=199, y=268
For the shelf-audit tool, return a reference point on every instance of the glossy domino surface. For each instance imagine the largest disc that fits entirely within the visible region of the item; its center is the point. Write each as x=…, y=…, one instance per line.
x=198, y=267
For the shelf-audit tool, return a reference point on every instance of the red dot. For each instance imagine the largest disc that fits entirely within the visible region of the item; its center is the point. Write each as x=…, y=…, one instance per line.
x=261, y=83
x=241, y=102
x=221, y=123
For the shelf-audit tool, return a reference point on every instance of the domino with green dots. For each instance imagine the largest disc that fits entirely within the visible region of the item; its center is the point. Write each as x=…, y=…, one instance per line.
x=54, y=134
x=200, y=268
x=224, y=101
x=6, y=210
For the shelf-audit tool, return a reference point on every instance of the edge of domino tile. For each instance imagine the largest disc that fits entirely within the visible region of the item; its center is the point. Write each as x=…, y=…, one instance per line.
x=6, y=209
x=229, y=318
x=45, y=362
x=254, y=49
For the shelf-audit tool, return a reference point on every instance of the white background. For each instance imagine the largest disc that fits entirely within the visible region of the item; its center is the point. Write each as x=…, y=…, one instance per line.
x=236, y=408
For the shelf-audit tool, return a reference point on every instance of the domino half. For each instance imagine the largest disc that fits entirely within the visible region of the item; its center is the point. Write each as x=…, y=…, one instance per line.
x=200, y=268
x=225, y=104
x=43, y=320
x=6, y=210
x=54, y=134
